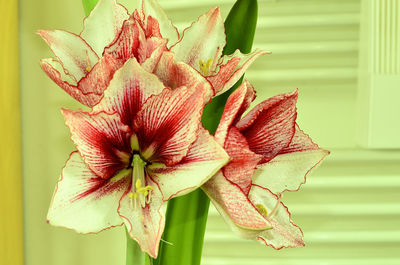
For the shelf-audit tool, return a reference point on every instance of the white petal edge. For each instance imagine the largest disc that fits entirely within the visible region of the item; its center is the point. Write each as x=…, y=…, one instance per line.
x=95, y=211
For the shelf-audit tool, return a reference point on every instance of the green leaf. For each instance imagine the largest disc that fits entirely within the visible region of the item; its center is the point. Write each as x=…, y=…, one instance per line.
x=88, y=5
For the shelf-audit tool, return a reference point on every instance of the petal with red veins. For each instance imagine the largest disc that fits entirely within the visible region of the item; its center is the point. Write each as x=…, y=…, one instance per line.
x=167, y=29
x=236, y=104
x=55, y=71
x=101, y=139
x=233, y=204
x=158, y=47
x=73, y=52
x=168, y=123
x=176, y=74
x=97, y=80
x=145, y=225
x=152, y=28
x=284, y=233
x=204, y=159
x=288, y=170
x=203, y=40
x=243, y=161
x=128, y=91
x=84, y=202
x=103, y=24
x=231, y=69
x=270, y=126
x=126, y=45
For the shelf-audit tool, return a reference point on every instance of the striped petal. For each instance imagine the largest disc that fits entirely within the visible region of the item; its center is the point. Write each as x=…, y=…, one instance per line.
x=126, y=45
x=237, y=103
x=84, y=202
x=128, y=90
x=75, y=55
x=231, y=69
x=204, y=159
x=101, y=139
x=167, y=29
x=55, y=71
x=167, y=124
x=288, y=170
x=176, y=74
x=103, y=24
x=243, y=161
x=145, y=225
x=270, y=126
x=203, y=40
x=233, y=204
x=284, y=233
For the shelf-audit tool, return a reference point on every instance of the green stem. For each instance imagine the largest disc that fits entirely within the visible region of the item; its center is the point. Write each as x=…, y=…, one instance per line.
x=184, y=234
x=134, y=256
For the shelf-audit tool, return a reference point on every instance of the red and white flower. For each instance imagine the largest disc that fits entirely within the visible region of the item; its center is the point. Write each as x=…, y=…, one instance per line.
x=85, y=64
x=269, y=155
x=201, y=46
x=142, y=145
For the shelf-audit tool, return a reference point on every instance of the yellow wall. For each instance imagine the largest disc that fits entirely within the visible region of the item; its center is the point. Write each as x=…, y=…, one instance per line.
x=11, y=222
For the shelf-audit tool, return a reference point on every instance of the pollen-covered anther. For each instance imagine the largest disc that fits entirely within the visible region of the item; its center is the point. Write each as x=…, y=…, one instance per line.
x=139, y=194
x=205, y=66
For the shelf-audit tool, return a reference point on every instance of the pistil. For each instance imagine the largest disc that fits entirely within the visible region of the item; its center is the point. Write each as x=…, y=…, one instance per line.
x=139, y=194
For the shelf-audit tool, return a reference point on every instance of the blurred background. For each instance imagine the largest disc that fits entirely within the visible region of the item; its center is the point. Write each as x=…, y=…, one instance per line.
x=350, y=208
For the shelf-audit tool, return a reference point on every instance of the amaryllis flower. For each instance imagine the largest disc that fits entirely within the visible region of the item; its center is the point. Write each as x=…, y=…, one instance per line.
x=84, y=64
x=269, y=155
x=142, y=145
x=201, y=46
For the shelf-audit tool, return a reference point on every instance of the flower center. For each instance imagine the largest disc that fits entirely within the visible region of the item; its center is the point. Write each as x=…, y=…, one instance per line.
x=139, y=194
x=264, y=212
x=205, y=66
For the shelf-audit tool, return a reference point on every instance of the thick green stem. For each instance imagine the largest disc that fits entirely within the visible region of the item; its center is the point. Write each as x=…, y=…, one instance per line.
x=134, y=256
x=184, y=234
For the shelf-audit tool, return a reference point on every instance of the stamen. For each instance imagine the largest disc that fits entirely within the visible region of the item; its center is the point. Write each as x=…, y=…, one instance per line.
x=263, y=211
x=271, y=214
x=139, y=194
x=88, y=67
x=205, y=66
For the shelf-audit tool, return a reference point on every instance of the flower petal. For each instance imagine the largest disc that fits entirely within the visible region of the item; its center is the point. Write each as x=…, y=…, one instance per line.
x=203, y=40
x=73, y=52
x=128, y=90
x=243, y=161
x=103, y=24
x=97, y=80
x=233, y=204
x=167, y=29
x=176, y=74
x=284, y=233
x=145, y=225
x=288, y=170
x=55, y=71
x=204, y=159
x=102, y=140
x=231, y=69
x=84, y=202
x=126, y=45
x=167, y=124
x=270, y=126
x=236, y=104
x=158, y=46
